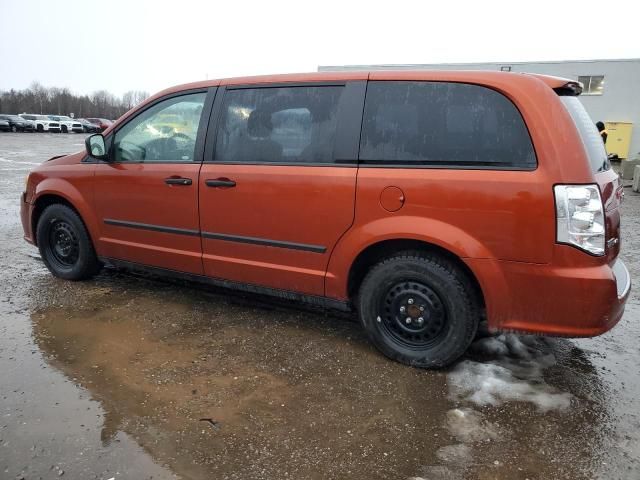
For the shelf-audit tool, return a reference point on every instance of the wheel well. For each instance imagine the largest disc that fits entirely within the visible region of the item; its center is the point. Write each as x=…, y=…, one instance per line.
x=375, y=253
x=43, y=202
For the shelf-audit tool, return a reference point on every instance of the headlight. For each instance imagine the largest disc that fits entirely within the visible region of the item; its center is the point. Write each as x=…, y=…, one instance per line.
x=580, y=217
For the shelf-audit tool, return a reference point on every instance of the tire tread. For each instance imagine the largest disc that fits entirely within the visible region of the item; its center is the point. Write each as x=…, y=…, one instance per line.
x=462, y=284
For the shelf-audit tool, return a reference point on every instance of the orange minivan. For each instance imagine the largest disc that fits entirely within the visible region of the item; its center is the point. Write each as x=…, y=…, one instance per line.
x=426, y=201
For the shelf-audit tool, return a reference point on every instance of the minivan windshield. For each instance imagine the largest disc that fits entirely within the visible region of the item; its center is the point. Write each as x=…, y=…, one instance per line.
x=588, y=133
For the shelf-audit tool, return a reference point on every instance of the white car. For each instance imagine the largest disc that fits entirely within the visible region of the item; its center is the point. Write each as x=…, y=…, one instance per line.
x=43, y=123
x=67, y=124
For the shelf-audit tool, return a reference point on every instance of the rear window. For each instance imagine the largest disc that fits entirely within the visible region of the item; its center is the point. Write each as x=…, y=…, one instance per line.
x=588, y=133
x=443, y=124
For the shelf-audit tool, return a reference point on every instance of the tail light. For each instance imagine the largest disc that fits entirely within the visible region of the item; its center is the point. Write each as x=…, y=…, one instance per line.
x=580, y=217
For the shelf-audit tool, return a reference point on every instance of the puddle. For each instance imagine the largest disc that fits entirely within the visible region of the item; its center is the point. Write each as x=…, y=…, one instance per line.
x=289, y=392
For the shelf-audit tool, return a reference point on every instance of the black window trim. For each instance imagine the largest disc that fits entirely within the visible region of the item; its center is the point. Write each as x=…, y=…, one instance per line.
x=433, y=165
x=200, y=136
x=348, y=128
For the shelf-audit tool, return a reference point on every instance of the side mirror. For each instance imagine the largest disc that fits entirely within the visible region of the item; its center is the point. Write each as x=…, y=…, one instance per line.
x=96, y=147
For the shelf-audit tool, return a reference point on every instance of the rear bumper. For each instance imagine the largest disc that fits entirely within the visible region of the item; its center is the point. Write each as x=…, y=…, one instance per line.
x=552, y=300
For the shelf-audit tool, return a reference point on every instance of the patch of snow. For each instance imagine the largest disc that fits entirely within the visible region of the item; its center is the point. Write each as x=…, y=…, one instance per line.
x=458, y=455
x=468, y=426
x=513, y=371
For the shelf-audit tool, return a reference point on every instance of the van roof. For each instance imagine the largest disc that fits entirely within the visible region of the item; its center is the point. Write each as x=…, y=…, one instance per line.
x=471, y=76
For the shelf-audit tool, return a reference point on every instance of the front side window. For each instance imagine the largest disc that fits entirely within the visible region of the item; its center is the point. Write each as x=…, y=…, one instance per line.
x=443, y=124
x=592, y=84
x=165, y=132
x=278, y=125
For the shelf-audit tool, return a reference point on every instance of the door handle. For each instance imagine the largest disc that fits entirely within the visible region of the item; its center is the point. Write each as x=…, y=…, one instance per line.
x=220, y=182
x=178, y=181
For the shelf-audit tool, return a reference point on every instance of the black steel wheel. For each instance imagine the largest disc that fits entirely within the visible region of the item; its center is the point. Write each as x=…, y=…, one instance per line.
x=412, y=314
x=65, y=246
x=419, y=309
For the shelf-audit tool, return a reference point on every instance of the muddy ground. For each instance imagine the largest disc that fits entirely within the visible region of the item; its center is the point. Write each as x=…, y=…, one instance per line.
x=134, y=377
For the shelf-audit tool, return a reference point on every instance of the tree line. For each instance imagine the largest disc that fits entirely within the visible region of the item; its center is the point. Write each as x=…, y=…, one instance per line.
x=61, y=101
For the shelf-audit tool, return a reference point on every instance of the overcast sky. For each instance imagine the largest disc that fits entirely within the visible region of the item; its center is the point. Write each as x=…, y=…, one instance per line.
x=148, y=45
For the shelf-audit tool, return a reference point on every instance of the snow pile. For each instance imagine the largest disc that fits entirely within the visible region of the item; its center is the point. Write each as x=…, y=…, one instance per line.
x=467, y=426
x=513, y=372
x=460, y=454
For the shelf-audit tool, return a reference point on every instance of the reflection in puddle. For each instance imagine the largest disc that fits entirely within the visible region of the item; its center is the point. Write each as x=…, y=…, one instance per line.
x=290, y=392
x=50, y=427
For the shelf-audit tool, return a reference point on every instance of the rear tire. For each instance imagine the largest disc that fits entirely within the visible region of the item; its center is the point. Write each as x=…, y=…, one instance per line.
x=14, y=129
x=419, y=309
x=64, y=129
x=65, y=246
x=40, y=128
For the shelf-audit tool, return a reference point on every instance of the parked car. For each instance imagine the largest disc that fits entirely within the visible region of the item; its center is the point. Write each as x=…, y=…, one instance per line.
x=16, y=123
x=67, y=124
x=89, y=127
x=30, y=125
x=478, y=195
x=42, y=123
x=103, y=123
x=5, y=126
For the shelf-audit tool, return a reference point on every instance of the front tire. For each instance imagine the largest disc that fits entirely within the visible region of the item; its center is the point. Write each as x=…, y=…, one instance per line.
x=64, y=129
x=14, y=129
x=418, y=309
x=65, y=246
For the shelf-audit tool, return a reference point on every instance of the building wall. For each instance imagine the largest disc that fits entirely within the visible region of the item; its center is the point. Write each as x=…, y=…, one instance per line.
x=620, y=101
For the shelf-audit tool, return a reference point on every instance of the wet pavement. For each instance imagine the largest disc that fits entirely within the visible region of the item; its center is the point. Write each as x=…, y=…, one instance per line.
x=134, y=377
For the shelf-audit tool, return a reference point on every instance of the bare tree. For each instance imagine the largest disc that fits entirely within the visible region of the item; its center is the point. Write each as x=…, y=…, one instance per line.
x=61, y=101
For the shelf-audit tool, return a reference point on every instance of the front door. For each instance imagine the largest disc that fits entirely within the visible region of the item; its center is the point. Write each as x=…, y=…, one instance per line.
x=277, y=187
x=147, y=195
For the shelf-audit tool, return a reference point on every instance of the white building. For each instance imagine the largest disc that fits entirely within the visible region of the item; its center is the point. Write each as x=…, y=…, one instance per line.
x=611, y=91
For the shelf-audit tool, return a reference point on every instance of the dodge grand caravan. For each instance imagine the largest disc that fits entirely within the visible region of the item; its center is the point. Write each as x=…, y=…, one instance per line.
x=426, y=201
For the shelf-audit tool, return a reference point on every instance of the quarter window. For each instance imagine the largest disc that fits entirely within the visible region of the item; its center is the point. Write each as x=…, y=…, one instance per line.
x=166, y=132
x=443, y=124
x=278, y=125
x=592, y=84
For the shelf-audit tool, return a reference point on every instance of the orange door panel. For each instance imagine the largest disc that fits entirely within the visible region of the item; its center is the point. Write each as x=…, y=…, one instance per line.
x=277, y=226
x=148, y=214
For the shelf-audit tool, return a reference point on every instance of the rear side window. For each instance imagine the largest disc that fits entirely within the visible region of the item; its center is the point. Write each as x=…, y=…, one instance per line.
x=443, y=124
x=278, y=125
x=588, y=133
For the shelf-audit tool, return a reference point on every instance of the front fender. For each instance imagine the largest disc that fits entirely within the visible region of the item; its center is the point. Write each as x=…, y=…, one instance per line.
x=359, y=237
x=69, y=192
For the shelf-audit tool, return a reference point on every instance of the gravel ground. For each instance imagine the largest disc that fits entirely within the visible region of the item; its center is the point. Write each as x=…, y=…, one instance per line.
x=135, y=377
